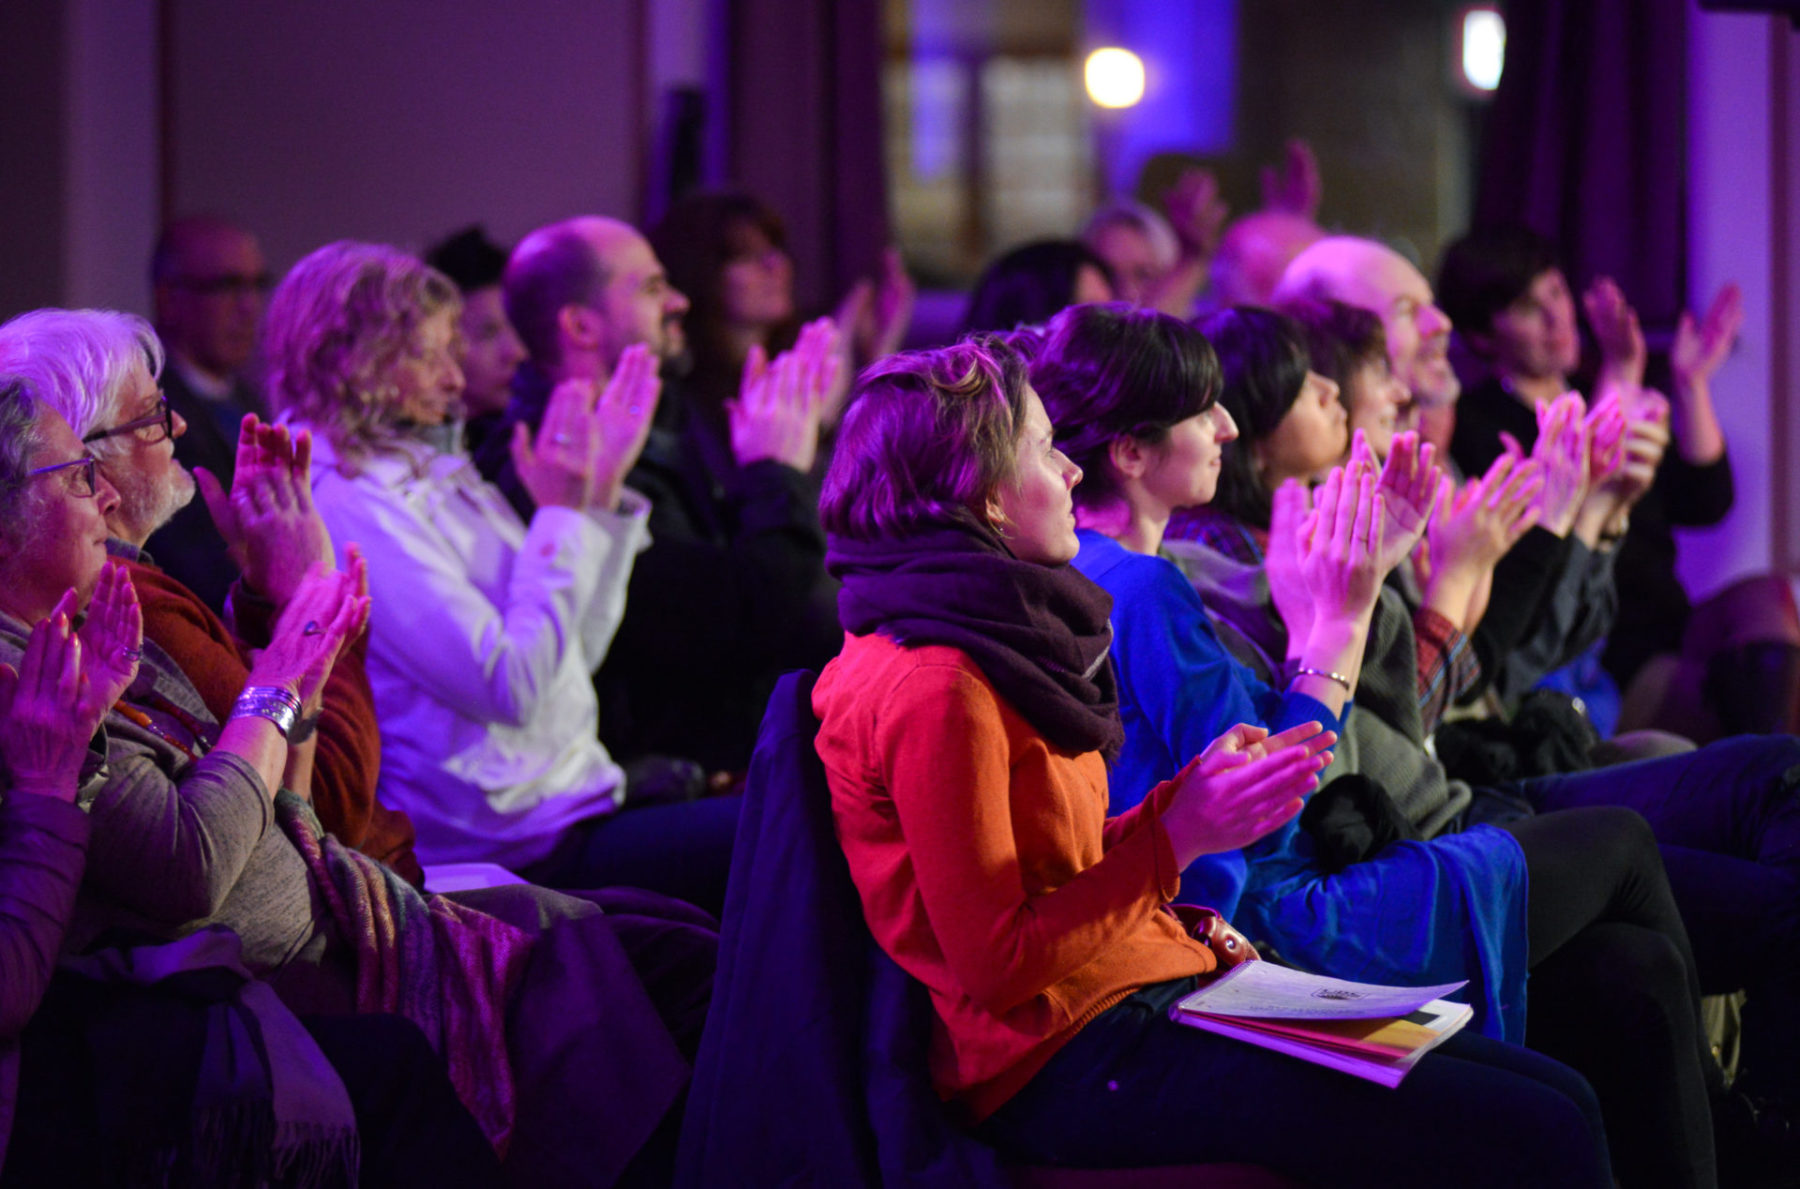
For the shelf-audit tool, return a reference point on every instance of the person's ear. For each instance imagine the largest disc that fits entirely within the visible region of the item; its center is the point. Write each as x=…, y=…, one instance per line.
x=1129, y=456
x=578, y=327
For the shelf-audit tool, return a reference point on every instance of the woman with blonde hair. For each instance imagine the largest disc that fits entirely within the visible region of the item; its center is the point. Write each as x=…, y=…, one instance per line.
x=486, y=631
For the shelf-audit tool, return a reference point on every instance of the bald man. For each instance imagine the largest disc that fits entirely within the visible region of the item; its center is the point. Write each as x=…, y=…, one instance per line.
x=732, y=591
x=208, y=282
x=1553, y=596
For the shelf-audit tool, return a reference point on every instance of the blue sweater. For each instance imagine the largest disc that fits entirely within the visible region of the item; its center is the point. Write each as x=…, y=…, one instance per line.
x=1417, y=913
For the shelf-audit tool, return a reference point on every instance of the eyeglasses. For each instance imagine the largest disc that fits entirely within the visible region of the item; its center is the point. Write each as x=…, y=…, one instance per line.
x=164, y=416
x=87, y=479
x=233, y=284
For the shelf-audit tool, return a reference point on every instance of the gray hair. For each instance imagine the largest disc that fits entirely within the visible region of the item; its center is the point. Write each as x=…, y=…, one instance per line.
x=21, y=437
x=78, y=361
x=1145, y=220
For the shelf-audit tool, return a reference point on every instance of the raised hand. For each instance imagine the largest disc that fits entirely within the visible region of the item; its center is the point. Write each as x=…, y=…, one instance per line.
x=1701, y=348
x=1615, y=323
x=112, y=637
x=1294, y=186
x=48, y=711
x=327, y=612
x=1408, y=489
x=1472, y=531
x=1289, y=509
x=1197, y=212
x=1245, y=784
x=267, y=518
x=778, y=411
x=1563, y=452
x=589, y=440
x=1341, y=556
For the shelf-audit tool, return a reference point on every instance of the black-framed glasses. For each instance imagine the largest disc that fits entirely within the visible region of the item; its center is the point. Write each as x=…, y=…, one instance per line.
x=164, y=416
x=87, y=479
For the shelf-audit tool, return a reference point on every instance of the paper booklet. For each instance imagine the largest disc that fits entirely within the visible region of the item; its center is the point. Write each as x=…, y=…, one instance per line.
x=1371, y=1031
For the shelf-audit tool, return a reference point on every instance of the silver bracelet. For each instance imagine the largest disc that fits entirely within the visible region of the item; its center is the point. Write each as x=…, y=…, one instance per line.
x=1325, y=673
x=278, y=705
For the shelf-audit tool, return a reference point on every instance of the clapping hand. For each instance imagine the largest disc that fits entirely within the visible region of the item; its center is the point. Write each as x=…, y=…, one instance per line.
x=1197, y=212
x=1563, y=452
x=1407, y=489
x=1701, y=348
x=777, y=414
x=1472, y=531
x=1294, y=186
x=267, y=519
x=329, y=610
x=1615, y=323
x=1245, y=784
x=588, y=443
x=50, y=707
x=112, y=638
x=1341, y=545
x=1290, y=508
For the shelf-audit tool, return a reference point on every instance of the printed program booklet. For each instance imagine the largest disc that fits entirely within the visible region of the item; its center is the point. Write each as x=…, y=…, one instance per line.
x=1371, y=1031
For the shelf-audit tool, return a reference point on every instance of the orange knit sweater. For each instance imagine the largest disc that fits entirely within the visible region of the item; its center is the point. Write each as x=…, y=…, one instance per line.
x=987, y=866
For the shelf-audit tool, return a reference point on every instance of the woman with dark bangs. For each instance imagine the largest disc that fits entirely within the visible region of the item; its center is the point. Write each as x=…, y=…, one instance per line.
x=965, y=729
x=1136, y=391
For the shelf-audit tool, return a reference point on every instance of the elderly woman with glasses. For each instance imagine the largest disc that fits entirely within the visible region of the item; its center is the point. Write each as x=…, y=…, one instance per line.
x=550, y=1037
x=99, y=369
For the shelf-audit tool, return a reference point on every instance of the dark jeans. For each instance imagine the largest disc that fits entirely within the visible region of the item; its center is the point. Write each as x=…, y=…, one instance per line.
x=1134, y=1089
x=1613, y=991
x=1728, y=823
x=681, y=849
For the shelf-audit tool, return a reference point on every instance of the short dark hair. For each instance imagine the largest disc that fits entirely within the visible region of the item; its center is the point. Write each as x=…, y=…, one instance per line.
x=469, y=258
x=928, y=437
x=1264, y=359
x=1487, y=270
x=1340, y=338
x=1030, y=284
x=1111, y=371
x=696, y=239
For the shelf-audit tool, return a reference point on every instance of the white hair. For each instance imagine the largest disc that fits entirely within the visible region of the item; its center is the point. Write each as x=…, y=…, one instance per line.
x=78, y=361
x=1141, y=218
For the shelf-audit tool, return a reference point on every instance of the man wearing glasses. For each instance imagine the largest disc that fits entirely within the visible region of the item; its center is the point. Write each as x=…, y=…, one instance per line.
x=209, y=281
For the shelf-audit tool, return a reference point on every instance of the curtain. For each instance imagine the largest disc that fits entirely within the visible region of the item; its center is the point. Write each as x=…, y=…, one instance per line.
x=1586, y=142
x=805, y=132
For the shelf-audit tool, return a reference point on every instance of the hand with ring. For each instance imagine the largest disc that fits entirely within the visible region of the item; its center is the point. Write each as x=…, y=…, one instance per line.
x=50, y=707
x=329, y=610
x=112, y=636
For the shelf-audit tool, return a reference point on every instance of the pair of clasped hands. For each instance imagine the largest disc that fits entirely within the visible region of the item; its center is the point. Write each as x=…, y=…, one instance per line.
x=1328, y=553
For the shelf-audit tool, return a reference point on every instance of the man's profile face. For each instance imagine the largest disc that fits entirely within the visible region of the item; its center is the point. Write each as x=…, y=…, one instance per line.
x=209, y=308
x=639, y=304
x=1383, y=282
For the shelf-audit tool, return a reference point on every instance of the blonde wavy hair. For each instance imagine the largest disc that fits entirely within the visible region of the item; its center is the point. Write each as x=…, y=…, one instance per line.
x=337, y=325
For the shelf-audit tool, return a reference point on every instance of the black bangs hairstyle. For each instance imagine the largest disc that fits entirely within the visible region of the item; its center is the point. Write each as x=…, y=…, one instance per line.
x=1030, y=284
x=1340, y=339
x=1264, y=359
x=1487, y=270
x=1111, y=371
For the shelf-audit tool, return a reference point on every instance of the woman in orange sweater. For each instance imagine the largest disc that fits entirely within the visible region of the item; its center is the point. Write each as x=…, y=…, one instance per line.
x=964, y=730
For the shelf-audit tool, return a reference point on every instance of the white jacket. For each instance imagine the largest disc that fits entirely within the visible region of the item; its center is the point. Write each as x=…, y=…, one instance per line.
x=483, y=638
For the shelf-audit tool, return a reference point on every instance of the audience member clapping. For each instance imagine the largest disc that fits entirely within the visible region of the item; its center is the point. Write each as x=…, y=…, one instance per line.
x=487, y=711
x=99, y=369
x=963, y=731
x=491, y=350
x=732, y=590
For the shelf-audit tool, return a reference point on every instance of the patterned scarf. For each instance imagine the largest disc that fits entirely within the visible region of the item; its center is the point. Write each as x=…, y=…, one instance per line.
x=447, y=968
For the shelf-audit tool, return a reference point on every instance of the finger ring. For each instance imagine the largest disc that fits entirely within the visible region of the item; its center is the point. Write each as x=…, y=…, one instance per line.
x=633, y=410
x=561, y=439
x=130, y=654
x=312, y=628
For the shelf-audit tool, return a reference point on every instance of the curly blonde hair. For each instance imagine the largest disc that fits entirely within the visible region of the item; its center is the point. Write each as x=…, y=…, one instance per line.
x=337, y=325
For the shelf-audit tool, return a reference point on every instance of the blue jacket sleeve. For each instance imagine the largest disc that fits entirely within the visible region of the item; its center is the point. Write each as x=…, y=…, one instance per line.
x=1174, y=669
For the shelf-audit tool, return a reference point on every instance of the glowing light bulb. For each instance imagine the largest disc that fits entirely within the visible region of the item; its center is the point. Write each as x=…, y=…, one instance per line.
x=1115, y=77
x=1483, y=47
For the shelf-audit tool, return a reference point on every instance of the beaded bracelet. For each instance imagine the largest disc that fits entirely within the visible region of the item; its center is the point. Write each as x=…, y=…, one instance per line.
x=278, y=705
x=1326, y=674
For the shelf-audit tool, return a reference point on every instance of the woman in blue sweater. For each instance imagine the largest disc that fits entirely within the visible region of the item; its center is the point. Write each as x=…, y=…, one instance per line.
x=1133, y=394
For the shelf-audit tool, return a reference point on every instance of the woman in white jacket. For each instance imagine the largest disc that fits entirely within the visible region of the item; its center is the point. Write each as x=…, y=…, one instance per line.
x=485, y=631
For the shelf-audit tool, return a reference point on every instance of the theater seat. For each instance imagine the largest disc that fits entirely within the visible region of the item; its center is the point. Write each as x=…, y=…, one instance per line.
x=812, y=1068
